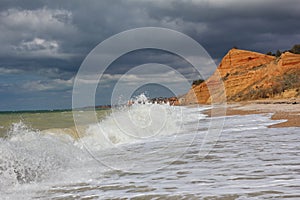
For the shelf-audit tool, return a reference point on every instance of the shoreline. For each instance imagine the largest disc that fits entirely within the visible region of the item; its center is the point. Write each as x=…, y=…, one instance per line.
x=281, y=109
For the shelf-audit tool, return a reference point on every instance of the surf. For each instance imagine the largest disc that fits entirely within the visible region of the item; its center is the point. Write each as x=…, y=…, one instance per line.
x=30, y=155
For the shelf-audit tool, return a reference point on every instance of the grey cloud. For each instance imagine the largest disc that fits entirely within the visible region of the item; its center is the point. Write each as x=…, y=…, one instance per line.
x=233, y=23
x=50, y=38
x=4, y=70
x=79, y=26
x=48, y=85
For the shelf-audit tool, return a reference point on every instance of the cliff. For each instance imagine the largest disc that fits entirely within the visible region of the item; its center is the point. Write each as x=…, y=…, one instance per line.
x=249, y=75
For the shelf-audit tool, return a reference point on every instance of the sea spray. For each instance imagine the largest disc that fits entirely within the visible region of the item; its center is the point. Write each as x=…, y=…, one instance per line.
x=246, y=162
x=28, y=156
x=140, y=123
x=135, y=123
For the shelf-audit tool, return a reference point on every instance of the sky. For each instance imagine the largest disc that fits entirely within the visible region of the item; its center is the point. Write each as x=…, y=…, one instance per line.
x=44, y=42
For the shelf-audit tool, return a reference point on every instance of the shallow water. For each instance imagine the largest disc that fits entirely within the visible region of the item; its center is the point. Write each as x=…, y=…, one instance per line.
x=249, y=160
x=40, y=120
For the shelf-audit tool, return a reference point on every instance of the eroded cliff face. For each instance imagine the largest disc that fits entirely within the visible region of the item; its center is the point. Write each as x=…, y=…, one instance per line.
x=248, y=75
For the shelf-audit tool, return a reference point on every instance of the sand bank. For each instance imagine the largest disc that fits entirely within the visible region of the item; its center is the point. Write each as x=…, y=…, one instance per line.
x=281, y=109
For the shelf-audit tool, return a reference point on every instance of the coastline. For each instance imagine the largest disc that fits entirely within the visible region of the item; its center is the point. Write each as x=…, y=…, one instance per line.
x=282, y=109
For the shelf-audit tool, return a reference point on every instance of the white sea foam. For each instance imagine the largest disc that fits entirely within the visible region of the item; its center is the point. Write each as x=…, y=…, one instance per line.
x=28, y=156
x=135, y=123
x=146, y=136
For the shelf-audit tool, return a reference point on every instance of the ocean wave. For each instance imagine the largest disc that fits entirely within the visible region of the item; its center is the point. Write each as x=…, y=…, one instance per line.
x=28, y=156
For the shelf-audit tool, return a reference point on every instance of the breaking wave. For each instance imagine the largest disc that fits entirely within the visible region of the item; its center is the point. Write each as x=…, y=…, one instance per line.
x=28, y=155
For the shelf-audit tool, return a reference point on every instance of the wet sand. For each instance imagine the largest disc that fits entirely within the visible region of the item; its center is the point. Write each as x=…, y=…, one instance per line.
x=282, y=110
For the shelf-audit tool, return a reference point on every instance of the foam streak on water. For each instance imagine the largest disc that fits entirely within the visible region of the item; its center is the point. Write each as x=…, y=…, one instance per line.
x=250, y=161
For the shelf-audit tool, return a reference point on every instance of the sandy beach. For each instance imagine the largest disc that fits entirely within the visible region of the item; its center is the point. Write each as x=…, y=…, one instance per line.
x=282, y=109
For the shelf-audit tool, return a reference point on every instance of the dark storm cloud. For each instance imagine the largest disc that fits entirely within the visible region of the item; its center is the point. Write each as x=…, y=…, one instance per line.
x=62, y=32
x=49, y=39
x=257, y=25
x=68, y=30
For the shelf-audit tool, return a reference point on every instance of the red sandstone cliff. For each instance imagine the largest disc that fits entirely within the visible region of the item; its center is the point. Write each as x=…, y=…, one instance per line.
x=249, y=75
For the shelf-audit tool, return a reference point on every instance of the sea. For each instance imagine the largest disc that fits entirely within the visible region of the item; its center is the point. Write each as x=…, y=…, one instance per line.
x=147, y=151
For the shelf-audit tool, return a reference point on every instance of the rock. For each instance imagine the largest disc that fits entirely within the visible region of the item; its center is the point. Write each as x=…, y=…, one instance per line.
x=249, y=75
